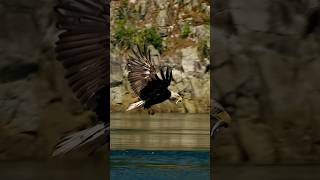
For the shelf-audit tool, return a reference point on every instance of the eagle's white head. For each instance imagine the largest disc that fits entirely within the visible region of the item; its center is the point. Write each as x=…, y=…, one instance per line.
x=175, y=97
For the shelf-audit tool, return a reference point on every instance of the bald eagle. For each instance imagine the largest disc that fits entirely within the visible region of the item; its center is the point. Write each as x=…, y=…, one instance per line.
x=83, y=50
x=146, y=84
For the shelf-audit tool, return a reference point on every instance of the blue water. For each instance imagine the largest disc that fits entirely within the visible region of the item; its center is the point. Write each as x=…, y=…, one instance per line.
x=159, y=165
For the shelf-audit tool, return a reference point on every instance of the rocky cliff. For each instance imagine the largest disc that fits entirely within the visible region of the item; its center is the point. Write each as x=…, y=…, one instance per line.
x=266, y=60
x=36, y=105
x=178, y=33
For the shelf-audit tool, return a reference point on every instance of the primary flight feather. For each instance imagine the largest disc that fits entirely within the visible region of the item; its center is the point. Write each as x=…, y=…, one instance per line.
x=145, y=83
x=83, y=50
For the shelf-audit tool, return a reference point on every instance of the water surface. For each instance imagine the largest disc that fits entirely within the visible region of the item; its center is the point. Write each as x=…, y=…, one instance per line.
x=159, y=165
x=159, y=147
x=162, y=131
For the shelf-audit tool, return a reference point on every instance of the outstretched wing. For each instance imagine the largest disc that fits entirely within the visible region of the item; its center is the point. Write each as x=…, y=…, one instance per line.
x=141, y=70
x=83, y=49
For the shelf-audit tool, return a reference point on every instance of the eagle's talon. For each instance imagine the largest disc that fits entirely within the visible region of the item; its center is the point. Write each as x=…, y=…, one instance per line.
x=146, y=83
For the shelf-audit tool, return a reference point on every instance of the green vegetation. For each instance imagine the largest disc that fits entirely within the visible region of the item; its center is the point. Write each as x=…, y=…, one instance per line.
x=150, y=36
x=203, y=49
x=126, y=35
x=185, y=30
x=122, y=35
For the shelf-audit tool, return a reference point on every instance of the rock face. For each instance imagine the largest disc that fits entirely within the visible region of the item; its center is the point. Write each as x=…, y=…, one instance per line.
x=184, y=47
x=36, y=106
x=266, y=73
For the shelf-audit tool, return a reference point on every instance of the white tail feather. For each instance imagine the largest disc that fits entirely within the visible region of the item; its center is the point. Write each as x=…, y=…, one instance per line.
x=138, y=104
x=78, y=139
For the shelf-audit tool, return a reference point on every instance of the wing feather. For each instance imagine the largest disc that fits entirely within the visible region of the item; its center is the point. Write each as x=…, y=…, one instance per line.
x=141, y=70
x=83, y=48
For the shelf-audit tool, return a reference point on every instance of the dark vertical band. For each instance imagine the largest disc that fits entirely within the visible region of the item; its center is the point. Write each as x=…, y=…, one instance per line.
x=108, y=96
x=211, y=83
